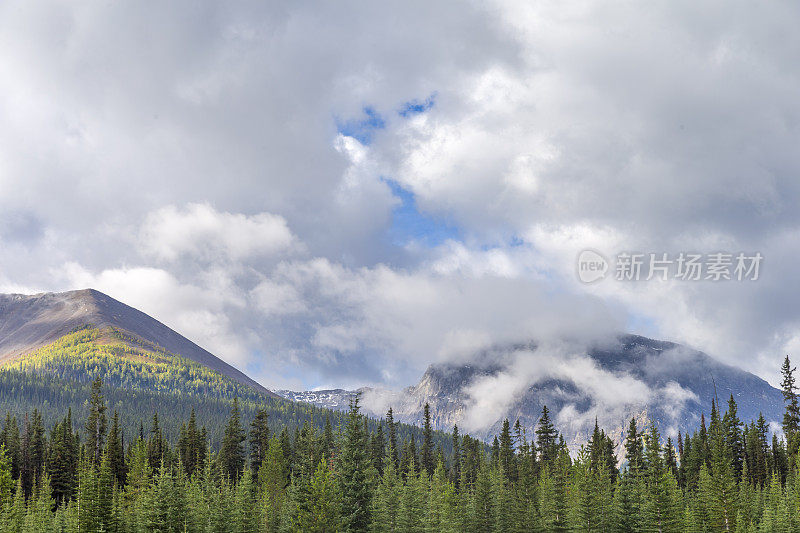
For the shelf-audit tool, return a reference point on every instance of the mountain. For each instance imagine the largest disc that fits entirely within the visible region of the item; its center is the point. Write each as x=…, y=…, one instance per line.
x=337, y=399
x=52, y=346
x=629, y=376
x=30, y=322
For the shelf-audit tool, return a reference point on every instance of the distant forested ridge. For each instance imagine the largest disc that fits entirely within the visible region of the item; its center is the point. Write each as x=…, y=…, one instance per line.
x=80, y=474
x=140, y=379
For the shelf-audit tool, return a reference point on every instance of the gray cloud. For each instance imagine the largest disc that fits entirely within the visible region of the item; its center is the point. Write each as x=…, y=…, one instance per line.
x=186, y=158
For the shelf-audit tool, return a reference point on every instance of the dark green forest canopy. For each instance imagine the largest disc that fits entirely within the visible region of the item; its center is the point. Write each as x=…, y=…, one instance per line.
x=280, y=466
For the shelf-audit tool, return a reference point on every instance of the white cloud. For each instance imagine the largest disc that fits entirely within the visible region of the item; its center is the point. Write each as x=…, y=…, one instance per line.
x=201, y=233
x=191, y=165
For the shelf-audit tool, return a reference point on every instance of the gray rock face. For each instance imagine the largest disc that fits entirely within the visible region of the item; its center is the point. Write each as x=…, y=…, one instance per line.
x=30, y=322
x=631, y=376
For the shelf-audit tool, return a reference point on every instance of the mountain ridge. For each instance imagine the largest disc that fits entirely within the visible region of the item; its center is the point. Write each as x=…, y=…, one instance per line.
x=30, y=322
x=679, y=384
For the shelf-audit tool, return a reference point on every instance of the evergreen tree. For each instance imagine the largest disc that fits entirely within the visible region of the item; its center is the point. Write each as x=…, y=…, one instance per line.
x=231, y=452
x=274, y=478
x=455, y=470
x=259, y=439
x=390, y=424
x=191, y=446
x=115, y=453
x=156, y=444
x=546, y=436
x=427, y=442
x=732, y=428
x=10, y=439
x=354, y=466
x=717, y=485
x=411, y=515
x=483, y=500
x=634, y=449
x=96, y=423
x=6, y=480
x=386, y=504
x=507, y=456
x=791, y=418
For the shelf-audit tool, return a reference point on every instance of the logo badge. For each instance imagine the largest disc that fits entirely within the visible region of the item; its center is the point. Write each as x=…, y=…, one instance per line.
x=591, y=266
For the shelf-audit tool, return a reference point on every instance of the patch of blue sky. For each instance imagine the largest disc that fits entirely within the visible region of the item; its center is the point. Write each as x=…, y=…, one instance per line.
x=410, y=225
x=415, y=107
x=362, y=129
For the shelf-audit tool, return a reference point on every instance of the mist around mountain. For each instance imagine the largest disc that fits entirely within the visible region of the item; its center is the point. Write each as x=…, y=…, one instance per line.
x=608, y=382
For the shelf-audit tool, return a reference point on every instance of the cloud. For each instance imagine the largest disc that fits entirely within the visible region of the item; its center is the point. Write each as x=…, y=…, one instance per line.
x=201, y=233
x=593, y=392
x=216, y=167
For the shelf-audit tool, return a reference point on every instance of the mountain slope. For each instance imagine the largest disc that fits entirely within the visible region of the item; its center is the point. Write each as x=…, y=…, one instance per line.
x=30, y=322
x=54, y=345
x=631, y=376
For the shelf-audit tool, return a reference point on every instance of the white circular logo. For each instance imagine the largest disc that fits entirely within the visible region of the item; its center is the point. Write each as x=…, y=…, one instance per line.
x=591, y=266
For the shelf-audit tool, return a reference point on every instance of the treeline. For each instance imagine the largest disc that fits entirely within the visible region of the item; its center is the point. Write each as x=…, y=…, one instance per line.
x=726, y=476
x=140, y=379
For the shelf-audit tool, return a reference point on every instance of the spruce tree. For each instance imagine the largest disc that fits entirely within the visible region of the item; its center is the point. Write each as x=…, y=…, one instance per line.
x=96, y=423
x=427, y=442
x=354, y=465
x=390, y=424
x=791, y=418
x=115, y=453
x=386, y=504
x=508, y=459
x=231, y=452
x=732, y=428
x=455, y=469
x=546, y=436
x=259, y=439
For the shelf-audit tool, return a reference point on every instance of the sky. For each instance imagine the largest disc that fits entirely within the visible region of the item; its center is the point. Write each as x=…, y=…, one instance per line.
x=341, y=194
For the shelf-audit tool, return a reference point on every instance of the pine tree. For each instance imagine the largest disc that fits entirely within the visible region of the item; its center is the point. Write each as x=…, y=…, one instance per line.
x=231, y=452
x=115, y=453
x=96, y=423
x=483, y=500
x=156, y=444
x=791, y=418
x=378, y=449
x=259, y=439
x=328, y=444
x=325, y=513
x=6, y=481
x=634, y=449
x=732, y=428
x=439, y=499
x=390, y=424
x=455, y=470
x=546, y=436
x=427, y=442
x=386, y=504
x=10, y=439
x=354, y=465
x=63, y=460
x=663, y=509
x=717, y=484
x=245, y=505
x=191, y=446
x=507, y=456
x=411, y=515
